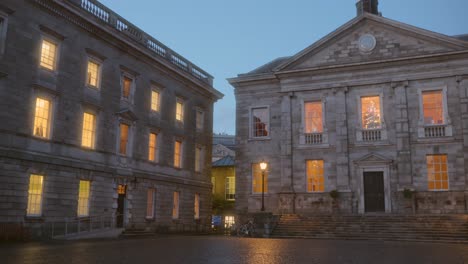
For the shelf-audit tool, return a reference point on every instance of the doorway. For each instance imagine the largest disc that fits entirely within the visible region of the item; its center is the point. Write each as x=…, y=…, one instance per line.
x=374, y=191
x=122, y=192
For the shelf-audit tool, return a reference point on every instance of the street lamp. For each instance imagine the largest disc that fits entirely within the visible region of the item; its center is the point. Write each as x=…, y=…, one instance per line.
x=263, y=166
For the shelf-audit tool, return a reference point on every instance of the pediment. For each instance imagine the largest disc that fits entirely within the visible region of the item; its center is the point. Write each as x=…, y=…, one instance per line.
x=392, y=40
x=127, y=114
x=373, y=158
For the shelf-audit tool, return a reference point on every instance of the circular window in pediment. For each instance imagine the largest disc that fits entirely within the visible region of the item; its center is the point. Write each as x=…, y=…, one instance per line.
x=367, y=43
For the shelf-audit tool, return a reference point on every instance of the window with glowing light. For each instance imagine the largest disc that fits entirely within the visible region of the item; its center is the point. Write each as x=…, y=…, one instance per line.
x=152, y=147
x=48, y=55
x=315, y=179
x=313, y=117
x=230, y=188
x=92, y=78
x=437, y=172
x=260, y=122
x=83, y=198
x=127, y=84
x=257, y=179
x=89, y=130
x=229, y=221
x=196, y=206
x=123, y=142
x=150, y=198
x=35, y=193
x=178, y=154
x=370, y=112
x=175, y=206
x=433, y=107
x=179, y=110
x=42, y=118
x=155, y=100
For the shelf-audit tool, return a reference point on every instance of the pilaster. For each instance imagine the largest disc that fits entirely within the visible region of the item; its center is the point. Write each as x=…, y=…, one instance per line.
x=342, y=141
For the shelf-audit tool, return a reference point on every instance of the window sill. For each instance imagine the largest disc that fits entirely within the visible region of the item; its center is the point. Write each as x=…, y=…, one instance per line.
x=372, y=143
x=42, y=139
x=34, y=219
x=307, y=146
x=92, y=88
x=448, y=190
x=259, y=139
x=48, y=71
x=446, y=139
x=149, y=219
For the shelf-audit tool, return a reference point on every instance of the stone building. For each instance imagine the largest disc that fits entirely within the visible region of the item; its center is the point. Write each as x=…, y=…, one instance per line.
x=99, y=118
x=376, y=110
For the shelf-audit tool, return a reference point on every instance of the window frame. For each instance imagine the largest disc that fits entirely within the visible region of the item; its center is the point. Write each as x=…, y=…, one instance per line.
x=3, y=32
x=199, y=120
x=446, y=116
x=312, y=176
x=228, y=187
x=304, y=120
x=155, y=89
x=251, y=128
x=382, y=119
x=156, y=146
x=94, y=135
x=125, y=75
x=129, y=138
x=181, y=151
x=176, y=205
x=88, y=200
x=181, y=101
x=58, y=44
x=99, y=62
x=150, y=215
x=196, y=206
x=441, y=181
x=51, y=101
x=260, y=177
x=41, y=201
x=199, y=162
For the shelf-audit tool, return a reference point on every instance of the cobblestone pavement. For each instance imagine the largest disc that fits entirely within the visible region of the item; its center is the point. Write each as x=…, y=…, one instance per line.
x=220, y=250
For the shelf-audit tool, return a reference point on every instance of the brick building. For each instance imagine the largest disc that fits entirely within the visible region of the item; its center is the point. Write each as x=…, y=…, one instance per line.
x=376, y=110
x=99, y=118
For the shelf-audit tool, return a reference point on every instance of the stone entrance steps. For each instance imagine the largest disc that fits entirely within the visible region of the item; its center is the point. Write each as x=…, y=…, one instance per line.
x=442, y=228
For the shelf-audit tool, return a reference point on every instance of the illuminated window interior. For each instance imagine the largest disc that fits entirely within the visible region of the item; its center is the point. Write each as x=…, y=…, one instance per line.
x=123, y=138
x=229, y=221
x=93, y=73
x=315, y=179
x=370, y=111
x=199, y=119
x=179, y=110
x=150, y=203
x=177, y=154
x=35, y=195
x=42, y=118
x=196, y=205
x=231, y=188
x=48, y=54
x=198, y=159
x=154, y=100
x=257, y=179
x=127, y=86
x=260, y=122
x=313, y=117
x=83, y=198
x=175, y=206
x=152, y=146
x=121, y=189
x=433, y=107
x=89, y=130
x=437, y=173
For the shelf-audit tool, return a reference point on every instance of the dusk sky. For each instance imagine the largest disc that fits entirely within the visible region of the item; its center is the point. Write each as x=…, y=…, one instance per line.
x=226, y=38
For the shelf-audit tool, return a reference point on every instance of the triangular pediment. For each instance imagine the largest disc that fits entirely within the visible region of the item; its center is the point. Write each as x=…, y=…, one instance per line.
x=373, y=158
x=127, y=114
x=393, y=40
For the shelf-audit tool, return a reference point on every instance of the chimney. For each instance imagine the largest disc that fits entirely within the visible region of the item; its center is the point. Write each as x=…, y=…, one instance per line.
x=369, y=6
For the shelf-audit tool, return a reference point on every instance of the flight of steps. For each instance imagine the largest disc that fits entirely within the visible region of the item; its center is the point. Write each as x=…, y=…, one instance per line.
x=441, y=228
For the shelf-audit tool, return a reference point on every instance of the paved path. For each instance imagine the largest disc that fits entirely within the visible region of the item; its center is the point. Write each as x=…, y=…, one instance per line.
x=220, y=250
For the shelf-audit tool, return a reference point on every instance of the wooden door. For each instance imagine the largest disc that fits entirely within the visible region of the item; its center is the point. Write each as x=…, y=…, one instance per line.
x=374, y=194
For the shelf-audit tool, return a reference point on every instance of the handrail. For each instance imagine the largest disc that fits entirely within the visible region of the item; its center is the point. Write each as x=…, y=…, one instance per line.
x=114, y=20
x=64, y=227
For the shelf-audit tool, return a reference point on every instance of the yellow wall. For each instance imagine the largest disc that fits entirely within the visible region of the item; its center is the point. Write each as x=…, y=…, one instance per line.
x=220, y=174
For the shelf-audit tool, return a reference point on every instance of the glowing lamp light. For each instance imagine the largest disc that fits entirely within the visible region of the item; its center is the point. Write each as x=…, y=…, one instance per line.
x=263, y=165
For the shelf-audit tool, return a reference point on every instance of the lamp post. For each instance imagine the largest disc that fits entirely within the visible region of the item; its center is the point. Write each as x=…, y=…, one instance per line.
x=263, y=166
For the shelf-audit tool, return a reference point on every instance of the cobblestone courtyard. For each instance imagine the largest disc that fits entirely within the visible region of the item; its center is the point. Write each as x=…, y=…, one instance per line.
x=232, y=250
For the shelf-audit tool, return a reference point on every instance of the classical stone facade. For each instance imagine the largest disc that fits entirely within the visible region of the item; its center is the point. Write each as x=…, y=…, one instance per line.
x=376, y=111
x=99, y=118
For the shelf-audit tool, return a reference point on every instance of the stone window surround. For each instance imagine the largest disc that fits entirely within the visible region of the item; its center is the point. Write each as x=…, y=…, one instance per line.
x=58, y=42
x=180, y=100
x=96, y=111
x=33, y=216
x=359, y=128
x=447, y=121
x=201, y=158
x=98, y=61
x=303, y=101
x=3, y=32
x=182, y=150
x=424, y=172
x=153, y=207
x=158, y=134
x=131, y=128
x=127, y=74
x=251, y=108
x=176, y=205
x=43, y=93
x=90, y=196
x=158, y=89
x=324, y=176
x=202, y=111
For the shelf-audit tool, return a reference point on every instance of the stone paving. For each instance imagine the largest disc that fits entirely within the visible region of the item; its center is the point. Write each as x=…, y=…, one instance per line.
x=208, y=249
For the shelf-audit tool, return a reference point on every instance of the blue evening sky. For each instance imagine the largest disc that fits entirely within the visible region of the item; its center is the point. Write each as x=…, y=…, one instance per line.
x=226, y=38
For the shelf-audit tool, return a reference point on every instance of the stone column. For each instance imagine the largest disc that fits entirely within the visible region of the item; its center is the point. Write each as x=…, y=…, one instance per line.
x=403, y=135
x=463, y=91
x=342, y=141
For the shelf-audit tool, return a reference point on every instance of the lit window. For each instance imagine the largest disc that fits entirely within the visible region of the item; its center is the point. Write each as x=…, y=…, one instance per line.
x=315, y=179
x=121, y=189
x=179, y=110
x=35, y=195
x=437, y=173
x=231, y=188
x=260, y=122
x=229, y=221
x=123, y=139
x=199, y=119
x=127, y=87
x=198, y=159
x=42, y=118
x=150, y=203
x=152, y=148
x=178, y=154
x=196, y=206
x=48, y=54
x=433, y=107
x=213, y=181
x=313, y=117
x=93, y=74
x=154, y=100
x=175, y=206
x=370, y=112
x=83, y=198
x=257, y=179
x=89, y=130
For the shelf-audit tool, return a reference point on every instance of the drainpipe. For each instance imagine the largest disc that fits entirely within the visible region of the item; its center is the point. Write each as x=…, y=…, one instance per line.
x=291, y=96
